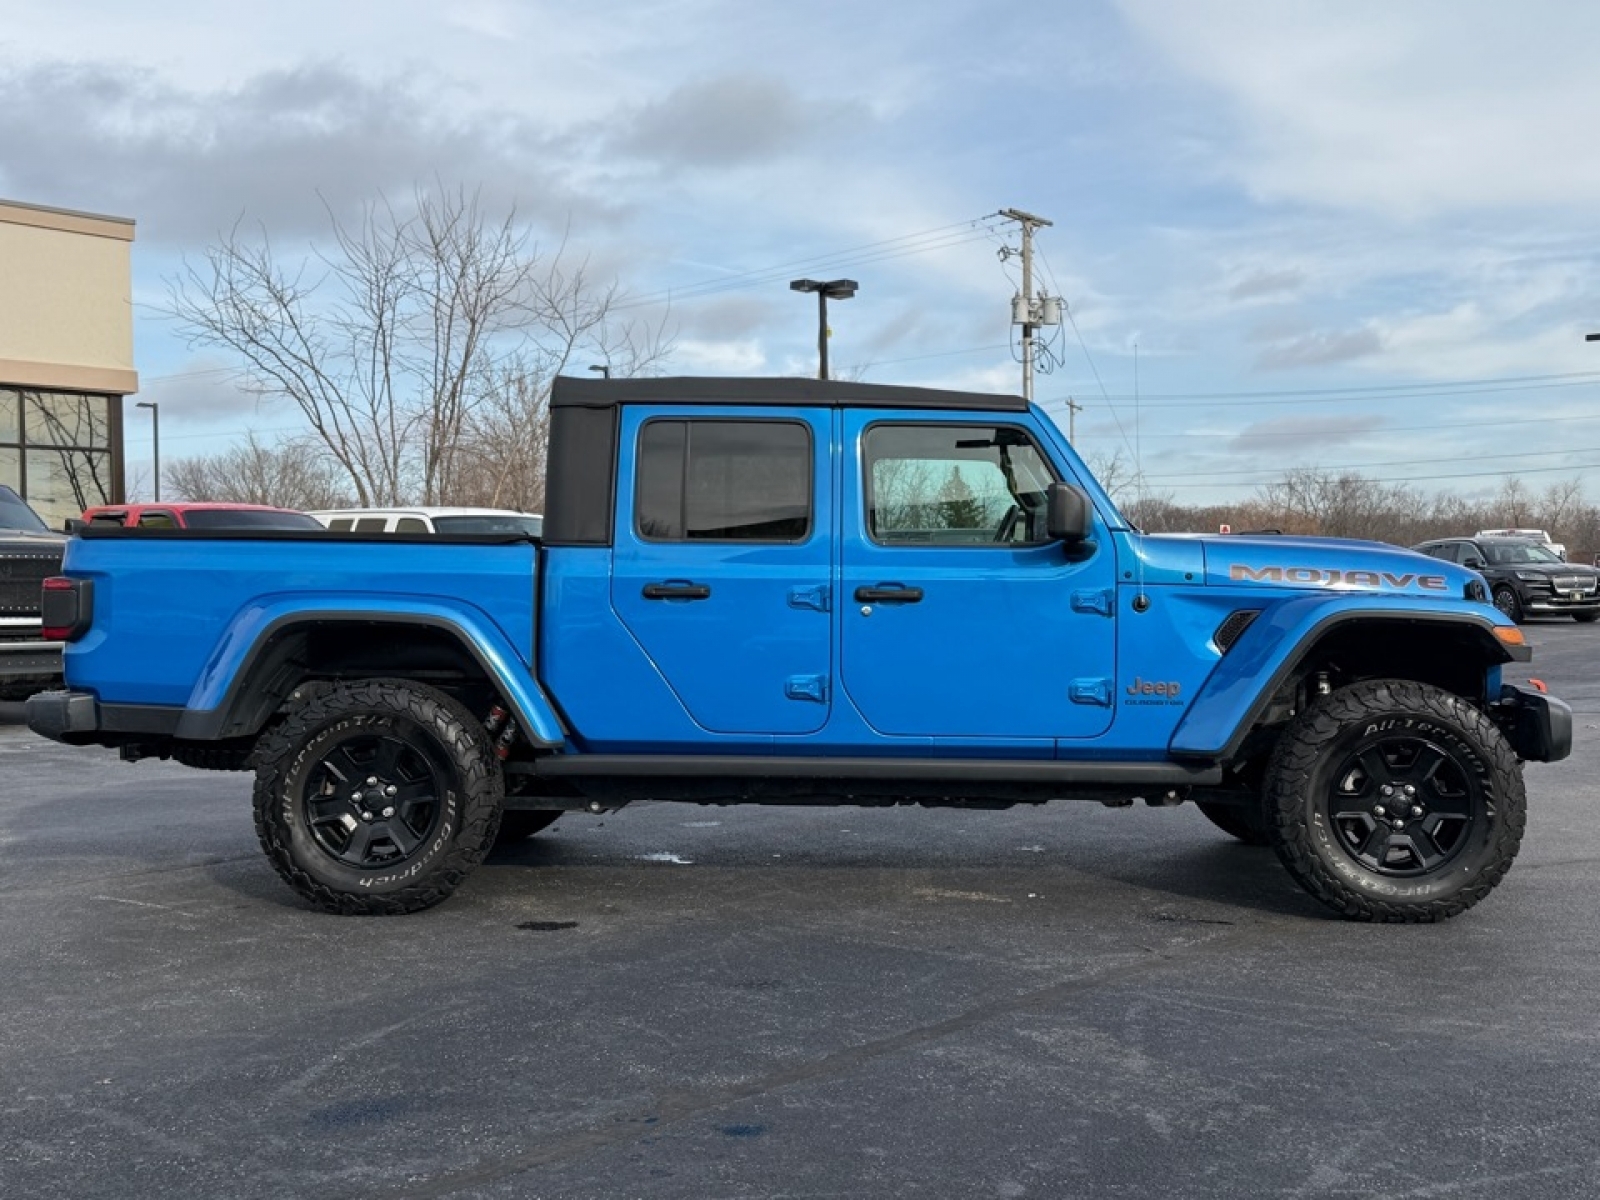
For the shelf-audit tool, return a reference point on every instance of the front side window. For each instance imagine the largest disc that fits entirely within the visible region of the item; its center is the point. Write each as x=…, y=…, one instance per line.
x=955, y=485
x=723, y=481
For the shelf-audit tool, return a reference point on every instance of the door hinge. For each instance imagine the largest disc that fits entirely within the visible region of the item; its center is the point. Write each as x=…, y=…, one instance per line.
x=818, y=598
x=807, y=687
x=1093, y=600
x=1090, y=691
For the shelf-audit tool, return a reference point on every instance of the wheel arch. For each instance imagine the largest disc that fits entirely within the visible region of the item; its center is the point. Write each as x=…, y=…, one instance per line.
x=249, y=680
x=1453, y=650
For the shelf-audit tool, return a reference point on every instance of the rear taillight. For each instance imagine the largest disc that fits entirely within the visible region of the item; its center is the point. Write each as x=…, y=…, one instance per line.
x=67, y=607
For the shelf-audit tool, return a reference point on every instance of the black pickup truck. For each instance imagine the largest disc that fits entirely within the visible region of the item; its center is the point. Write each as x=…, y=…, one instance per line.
x=29, y=554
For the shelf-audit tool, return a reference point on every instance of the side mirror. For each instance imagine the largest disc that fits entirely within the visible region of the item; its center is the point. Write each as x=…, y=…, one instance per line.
x=1476, y=563
x=1069, y=516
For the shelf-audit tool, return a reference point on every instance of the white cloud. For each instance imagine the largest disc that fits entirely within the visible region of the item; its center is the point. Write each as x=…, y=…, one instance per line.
x=1408, y=110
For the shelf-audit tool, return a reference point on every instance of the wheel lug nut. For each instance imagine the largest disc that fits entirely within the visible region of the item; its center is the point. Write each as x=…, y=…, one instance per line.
x=1416, y=810
x=1378, y=810
x=390, y=790
x=1386, y=790
x=1411, y=789
x=355, y=795
x=389, y=812
x=1398, y=823
x=371, y=779
x=365, y=815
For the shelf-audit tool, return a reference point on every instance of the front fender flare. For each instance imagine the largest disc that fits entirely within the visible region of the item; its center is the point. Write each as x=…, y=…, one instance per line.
x=1243, y=683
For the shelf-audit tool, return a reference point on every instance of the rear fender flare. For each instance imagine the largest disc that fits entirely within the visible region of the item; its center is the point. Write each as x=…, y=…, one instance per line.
x=218, y=705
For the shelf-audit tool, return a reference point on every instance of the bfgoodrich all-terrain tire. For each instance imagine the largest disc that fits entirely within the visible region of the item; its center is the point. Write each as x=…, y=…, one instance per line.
x=1395, y=801
x=377, y=797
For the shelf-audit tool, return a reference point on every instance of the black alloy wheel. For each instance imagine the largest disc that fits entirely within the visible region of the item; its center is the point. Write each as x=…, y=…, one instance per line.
x=1404, y=805
x=375, y=796
x=1505, y=599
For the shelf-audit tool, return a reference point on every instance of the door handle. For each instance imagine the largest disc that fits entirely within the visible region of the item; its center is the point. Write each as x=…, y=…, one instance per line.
x=676, y=589
x=888, y=593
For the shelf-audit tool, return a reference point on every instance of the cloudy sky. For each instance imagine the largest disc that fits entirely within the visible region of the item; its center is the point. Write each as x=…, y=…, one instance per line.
x=1346, y=234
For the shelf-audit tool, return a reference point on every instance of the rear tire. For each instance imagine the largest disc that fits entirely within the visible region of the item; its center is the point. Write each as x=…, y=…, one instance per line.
x=1395, y=801
x=517, y=824
x=1586, y=618
x=377, y=797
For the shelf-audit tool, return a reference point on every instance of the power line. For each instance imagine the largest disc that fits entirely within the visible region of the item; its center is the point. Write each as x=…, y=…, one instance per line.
x=923, y=242
x=1278, y=434
x=1377, y=387
x=1398, y=462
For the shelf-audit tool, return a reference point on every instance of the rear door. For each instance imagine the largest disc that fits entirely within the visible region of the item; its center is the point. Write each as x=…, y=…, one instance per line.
x=722, y=561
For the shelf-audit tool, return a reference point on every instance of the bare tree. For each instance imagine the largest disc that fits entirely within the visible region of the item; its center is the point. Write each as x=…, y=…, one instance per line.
x=297, y=474
x=391, y=342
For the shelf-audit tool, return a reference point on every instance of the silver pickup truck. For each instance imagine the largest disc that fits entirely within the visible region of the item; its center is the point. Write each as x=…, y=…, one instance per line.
x=29, y=554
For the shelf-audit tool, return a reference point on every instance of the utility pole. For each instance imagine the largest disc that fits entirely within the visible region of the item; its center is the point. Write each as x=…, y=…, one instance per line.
x=1073, y=409
x=1025, y=311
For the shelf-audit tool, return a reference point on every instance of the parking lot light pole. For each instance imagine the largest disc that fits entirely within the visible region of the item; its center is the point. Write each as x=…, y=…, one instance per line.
x=837, y=289
x=155, y=439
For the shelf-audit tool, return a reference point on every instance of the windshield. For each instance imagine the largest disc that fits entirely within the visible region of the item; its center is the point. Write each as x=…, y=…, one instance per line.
x=524, y=526
x=244, y=518
x=1509, y=553
x=14, y=514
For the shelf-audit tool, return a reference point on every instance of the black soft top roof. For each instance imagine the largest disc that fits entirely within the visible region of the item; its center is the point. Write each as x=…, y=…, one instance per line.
x=572, y=392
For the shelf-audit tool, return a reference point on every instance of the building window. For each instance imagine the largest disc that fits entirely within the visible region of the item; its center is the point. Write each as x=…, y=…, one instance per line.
x=55, y=450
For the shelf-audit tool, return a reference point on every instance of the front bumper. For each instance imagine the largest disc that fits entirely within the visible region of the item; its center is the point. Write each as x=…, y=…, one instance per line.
x=1546, y=604
x=1538, y=726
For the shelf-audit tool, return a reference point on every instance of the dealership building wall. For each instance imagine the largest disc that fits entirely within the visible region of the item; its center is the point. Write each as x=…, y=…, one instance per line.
x=66, y=356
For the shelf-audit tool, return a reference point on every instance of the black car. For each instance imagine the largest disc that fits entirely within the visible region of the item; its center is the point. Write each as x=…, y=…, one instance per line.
x=1526, y=578
x=29, y=553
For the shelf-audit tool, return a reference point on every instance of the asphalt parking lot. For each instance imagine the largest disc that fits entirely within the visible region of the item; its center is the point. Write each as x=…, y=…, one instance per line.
x=676, y=1001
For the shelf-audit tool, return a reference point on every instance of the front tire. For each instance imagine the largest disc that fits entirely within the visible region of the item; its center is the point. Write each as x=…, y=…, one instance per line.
x=377, y=797
x=1395, y=801
x=1586, y=618
x=1244, y=821
x=1505, y=599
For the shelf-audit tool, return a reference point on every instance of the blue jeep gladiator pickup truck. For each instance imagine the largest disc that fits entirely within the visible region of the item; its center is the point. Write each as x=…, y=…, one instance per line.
x=792, y=591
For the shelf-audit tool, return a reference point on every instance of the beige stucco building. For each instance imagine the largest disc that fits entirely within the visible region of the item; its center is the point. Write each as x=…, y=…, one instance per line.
x=66, y=355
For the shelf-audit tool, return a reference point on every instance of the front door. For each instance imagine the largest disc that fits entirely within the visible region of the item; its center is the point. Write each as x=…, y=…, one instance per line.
x=722, y=566
x=961, y=618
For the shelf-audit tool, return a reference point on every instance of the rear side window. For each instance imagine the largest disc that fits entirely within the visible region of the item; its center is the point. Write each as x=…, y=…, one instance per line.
x=372, y=524
x=411, y=525
x=723, y=481
x=158, y=520
x=343, y=524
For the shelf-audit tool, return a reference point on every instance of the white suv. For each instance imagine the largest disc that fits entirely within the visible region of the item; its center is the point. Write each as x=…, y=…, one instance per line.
x=432, y=520
x=1533, y=535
